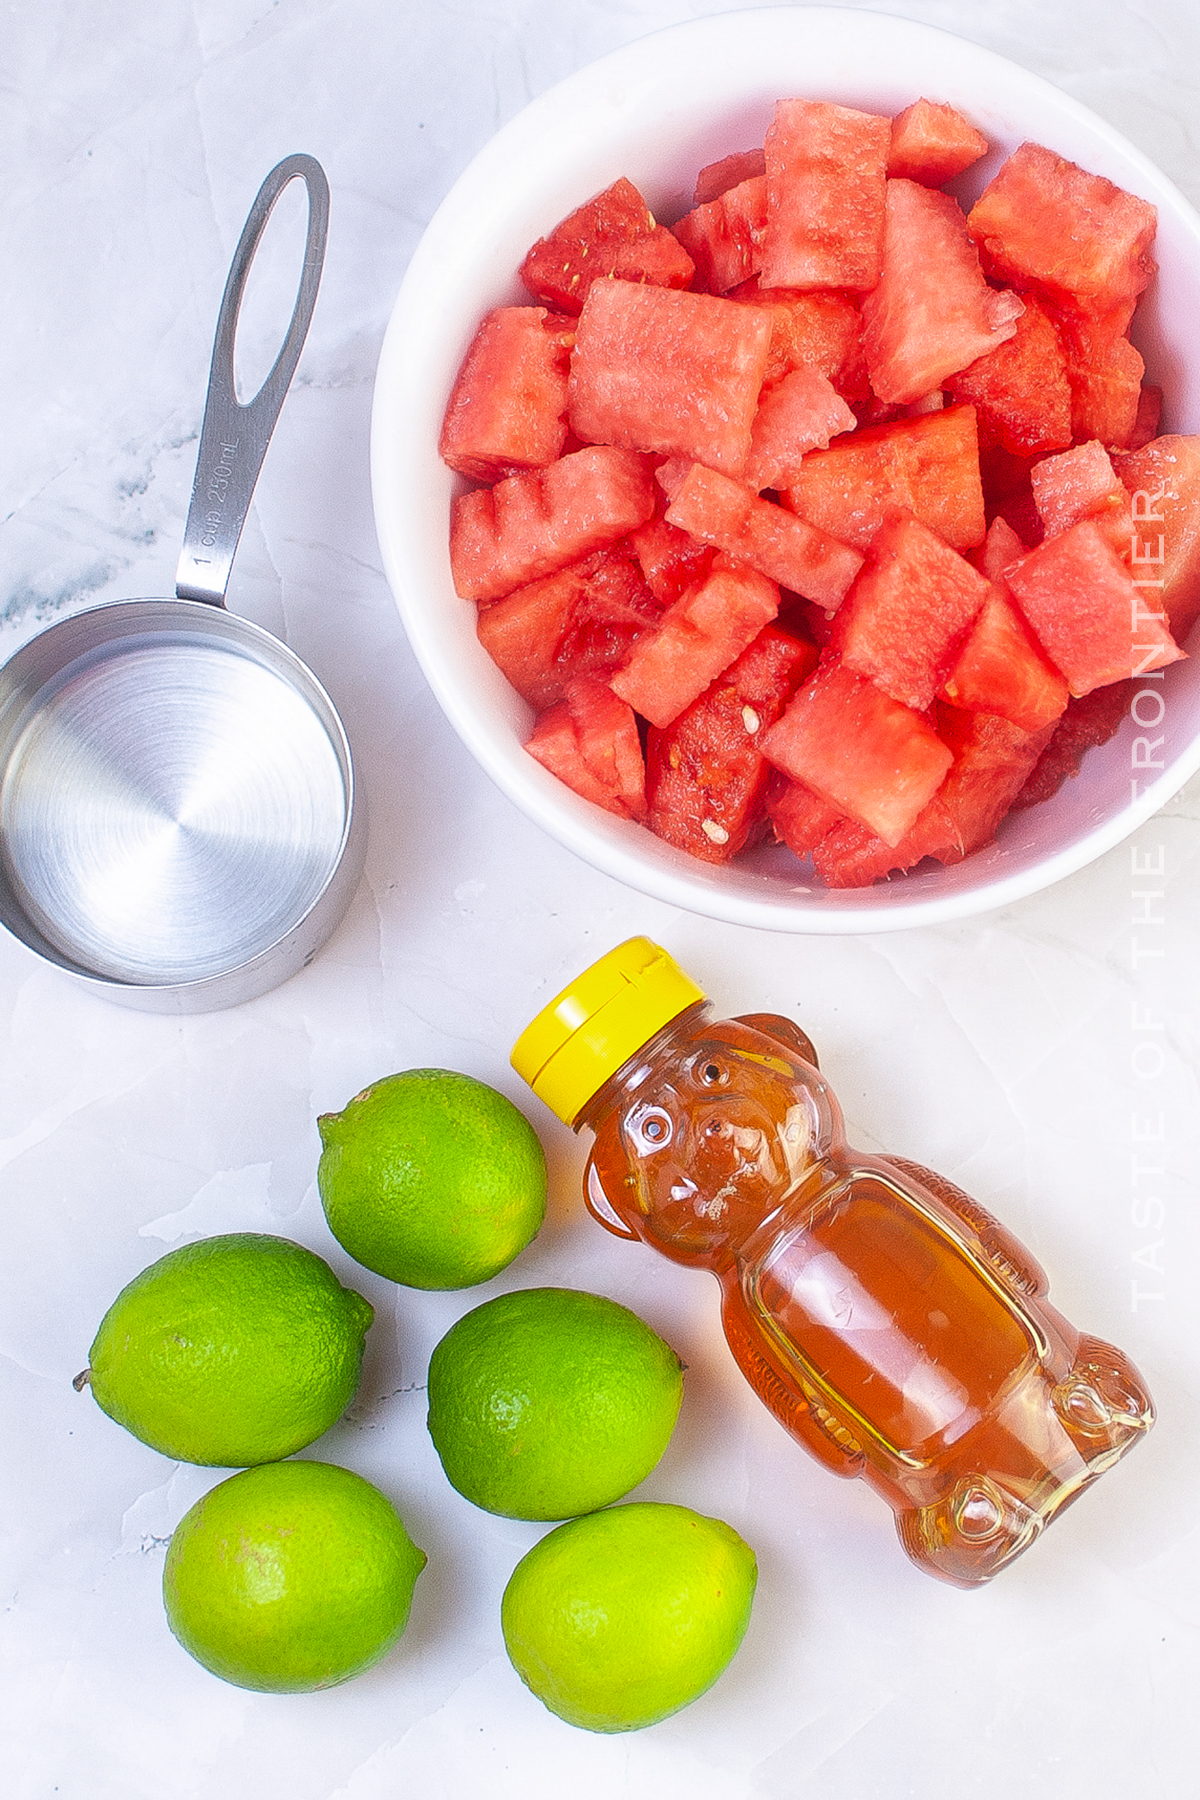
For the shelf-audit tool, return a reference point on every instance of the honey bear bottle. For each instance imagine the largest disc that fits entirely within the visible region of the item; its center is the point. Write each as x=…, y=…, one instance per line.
x=889, y=1323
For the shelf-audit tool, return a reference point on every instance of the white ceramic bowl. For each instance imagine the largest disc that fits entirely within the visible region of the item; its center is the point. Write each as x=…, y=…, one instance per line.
x=657, y=111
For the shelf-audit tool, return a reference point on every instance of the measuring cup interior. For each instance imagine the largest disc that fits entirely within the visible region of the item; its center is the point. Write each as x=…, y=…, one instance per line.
x=176, y=792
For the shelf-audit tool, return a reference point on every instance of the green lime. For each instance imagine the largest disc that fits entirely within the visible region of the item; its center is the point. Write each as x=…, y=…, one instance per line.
x=236, y=1350
x=548, y=1402
x=618, y=1619
x=432, y=1179
x=289, y=1577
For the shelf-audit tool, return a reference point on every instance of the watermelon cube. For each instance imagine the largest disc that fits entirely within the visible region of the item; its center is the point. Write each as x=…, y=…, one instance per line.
x=1087, y=614
x=1105, y=373
x=705, y=776
x=1163, y=480
x=932, y=143
x=932, y=313
x=539, y=520
x=724, y=237
x=613, y=234
x=799, y=817
x=789, y=550
x=584, y=620
x=697, y=639
x=508, y=407
x=826, y=179
x=861, y=751
x=852, y=856
x=717, y=178
x=590, y=741
x=1046, y=223
x=993, y=758
x=1000, y=669
x=677, y=374
x=928, y=466
x=821, y=331
x=670, y=559
x=1080, y=484
x=797, y=414
x=908, y=612
x=1021, y=388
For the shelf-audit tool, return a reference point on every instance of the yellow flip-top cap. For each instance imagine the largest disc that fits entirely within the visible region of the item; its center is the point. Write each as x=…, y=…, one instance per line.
x=606, y=1014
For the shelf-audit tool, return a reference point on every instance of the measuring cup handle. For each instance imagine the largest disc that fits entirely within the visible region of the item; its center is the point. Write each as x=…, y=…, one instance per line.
x=233, y=437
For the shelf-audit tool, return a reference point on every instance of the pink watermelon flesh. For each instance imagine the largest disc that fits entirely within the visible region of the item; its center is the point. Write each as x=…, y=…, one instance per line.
x=724, y=237
x=859, y=749
x=908, y=612
x=932, y=143
x=826, y=178
x=932, y=313
x=1000, y=669
x=698, y=637
x=798, y=414
x=1090, y=619
x=508, y=407
x=705, y=776
x=1163, y=480
x=788, y=550
x=615, y=234
x=672, y=373
x=533, y=523
x=1045, y=223
x=927, y=466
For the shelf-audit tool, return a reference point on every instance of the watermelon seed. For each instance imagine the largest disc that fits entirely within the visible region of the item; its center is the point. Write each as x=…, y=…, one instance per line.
x=750, y=719
x=716, y=832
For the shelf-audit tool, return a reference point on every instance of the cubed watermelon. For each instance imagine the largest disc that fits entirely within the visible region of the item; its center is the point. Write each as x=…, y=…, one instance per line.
x=931, y=313
x=852, y=856
x=826, y=178
x=1021, y=388
x=590, y=741
x=705, y=777
x=613, y=234
x=508, y=407
x=932, y=143
x=1000, y=669
x=1045, y=222
x=905, y=617
x=799, y=817
x=1105, y=372
x=789, y=550
x=860, y=750
x=993, y=758
x=928, y=466
x=677, y=374
x=584, y=620
x=696, y=640
x=1163, y=480
x=670, y=559
x=821, y=331
x=1080, y=484
x=724, y=237
x=797, y=414
x=533, y=523
x=717, y=178
x=1090, y=619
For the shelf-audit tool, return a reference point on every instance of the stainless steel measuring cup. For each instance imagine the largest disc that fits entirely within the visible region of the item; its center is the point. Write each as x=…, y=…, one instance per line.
x=178, y=819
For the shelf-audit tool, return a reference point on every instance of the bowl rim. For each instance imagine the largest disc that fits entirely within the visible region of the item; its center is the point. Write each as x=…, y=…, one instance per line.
x=616, y=847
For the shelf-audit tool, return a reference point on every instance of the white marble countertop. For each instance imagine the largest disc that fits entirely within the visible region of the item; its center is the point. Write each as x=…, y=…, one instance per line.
x=1008, y=1052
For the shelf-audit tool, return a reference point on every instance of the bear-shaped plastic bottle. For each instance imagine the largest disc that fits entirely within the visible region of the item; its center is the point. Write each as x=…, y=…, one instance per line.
x=889, y=1323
